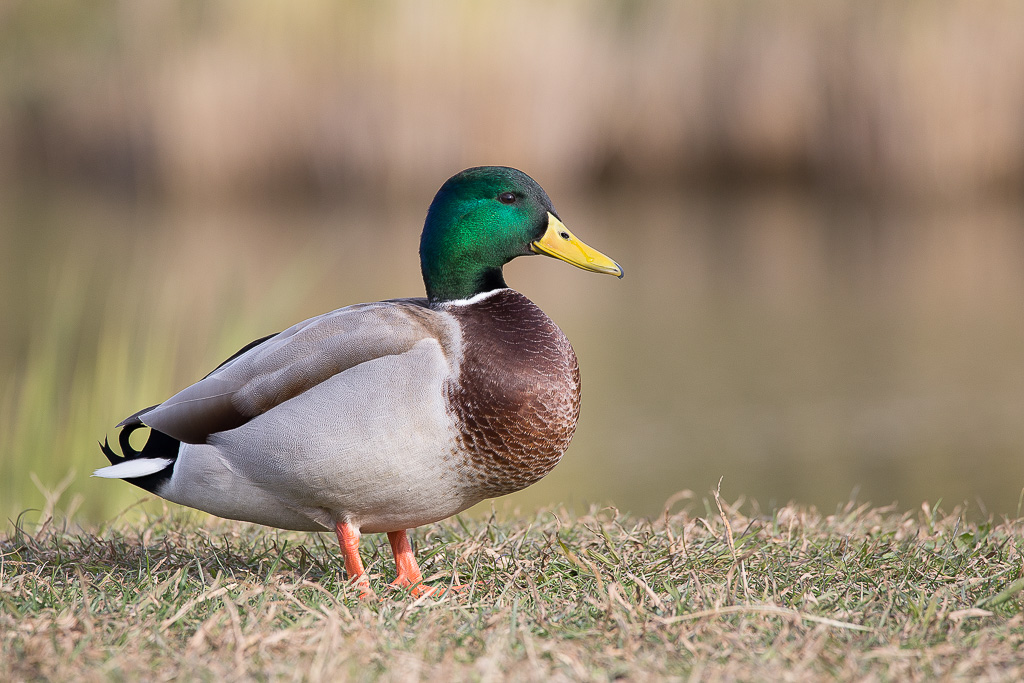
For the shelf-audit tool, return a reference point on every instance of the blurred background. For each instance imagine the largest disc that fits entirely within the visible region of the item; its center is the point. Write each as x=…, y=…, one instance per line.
x=819, y=207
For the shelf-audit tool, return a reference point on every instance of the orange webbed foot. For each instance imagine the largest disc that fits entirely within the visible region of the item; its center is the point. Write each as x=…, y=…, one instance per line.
x=418, y=589
x=348, y=539
x=409, y=574
x=362, y=584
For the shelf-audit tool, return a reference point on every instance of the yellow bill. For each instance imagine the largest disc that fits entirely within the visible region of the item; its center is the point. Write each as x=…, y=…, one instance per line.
x=557, y=241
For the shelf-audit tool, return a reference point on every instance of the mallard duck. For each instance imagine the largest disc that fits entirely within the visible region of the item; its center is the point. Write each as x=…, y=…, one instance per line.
x=382, y=417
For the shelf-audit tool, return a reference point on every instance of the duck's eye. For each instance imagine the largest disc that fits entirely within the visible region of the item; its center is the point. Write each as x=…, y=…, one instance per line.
x=506, y=198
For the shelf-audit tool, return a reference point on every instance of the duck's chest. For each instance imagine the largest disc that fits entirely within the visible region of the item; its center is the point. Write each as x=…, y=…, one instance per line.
x=516, y=397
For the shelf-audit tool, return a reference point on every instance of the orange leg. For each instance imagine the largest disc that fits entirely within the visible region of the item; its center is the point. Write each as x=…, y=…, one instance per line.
x=405, y=562
x=348, y=538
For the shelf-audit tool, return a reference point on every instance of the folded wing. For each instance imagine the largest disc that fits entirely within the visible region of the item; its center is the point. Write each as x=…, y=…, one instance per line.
x=287, y=364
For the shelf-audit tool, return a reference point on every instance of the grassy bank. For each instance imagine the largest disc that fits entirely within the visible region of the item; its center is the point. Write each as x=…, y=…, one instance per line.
x=708, y=589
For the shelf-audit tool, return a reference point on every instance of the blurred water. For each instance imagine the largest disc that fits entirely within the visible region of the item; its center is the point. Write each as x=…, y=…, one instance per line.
x=802, y=348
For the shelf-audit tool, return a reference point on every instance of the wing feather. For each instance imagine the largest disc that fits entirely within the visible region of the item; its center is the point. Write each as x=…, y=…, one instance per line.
x=287, y=364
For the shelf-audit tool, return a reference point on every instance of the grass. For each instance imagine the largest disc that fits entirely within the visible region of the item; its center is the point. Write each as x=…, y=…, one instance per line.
x=710, y=591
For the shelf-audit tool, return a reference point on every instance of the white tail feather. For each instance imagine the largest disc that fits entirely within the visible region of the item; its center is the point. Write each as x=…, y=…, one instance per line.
x=130, y=469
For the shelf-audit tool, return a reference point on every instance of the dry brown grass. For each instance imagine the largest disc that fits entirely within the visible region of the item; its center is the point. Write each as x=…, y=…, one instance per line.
x=711, y=593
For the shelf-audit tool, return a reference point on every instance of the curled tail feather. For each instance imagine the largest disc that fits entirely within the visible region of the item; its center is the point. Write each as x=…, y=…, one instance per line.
x=149, y=468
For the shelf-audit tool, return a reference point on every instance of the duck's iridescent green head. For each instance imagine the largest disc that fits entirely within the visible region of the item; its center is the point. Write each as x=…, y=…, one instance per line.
x=484, y=217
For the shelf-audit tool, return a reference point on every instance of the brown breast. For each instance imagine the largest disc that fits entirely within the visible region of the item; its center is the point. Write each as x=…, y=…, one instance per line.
x=517, y=397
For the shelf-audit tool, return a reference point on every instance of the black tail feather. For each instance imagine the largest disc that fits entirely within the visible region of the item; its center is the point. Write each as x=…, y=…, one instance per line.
x=113, y=457
x=158, y=445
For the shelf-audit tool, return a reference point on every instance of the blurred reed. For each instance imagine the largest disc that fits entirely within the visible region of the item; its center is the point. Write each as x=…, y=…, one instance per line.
x=224, y=97
x=126, y=307
x=799, y=348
